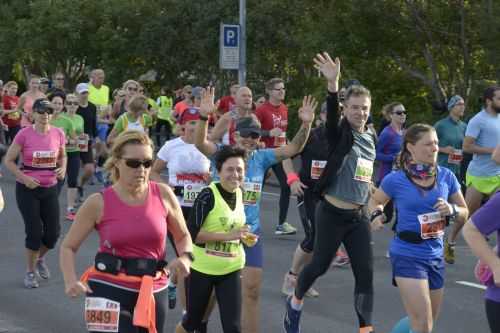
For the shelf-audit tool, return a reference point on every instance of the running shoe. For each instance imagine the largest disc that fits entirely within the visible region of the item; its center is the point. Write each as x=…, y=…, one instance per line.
x=291, y=320
x=285, y=229
x=172, y=296
x=99, y=175
x=312, y=293
x=289, y=283
x=30, y=280
x=341, y=259
x=42, y=269
x=449, y=252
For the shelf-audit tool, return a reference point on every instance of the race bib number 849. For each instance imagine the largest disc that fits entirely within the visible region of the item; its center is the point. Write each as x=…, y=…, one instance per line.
x=102, y=314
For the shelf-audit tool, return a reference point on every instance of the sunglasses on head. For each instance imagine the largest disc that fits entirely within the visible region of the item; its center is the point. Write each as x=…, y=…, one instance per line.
x=399, y=113
x=135, y=163
x=42, y=111
x=252, y=135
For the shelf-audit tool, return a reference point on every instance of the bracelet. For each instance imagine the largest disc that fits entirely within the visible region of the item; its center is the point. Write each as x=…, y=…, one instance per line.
x=291, y=178
x=376, y=214
x=203, y=118
x=455, y=211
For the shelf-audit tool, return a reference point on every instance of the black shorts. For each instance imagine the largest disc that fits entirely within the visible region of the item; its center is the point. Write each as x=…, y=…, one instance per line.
x=88, y=156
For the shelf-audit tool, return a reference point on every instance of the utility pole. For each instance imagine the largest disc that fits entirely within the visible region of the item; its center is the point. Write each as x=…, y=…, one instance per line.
x=242, y=71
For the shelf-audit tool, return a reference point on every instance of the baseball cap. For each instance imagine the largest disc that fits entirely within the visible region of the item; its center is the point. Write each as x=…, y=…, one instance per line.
x=247, y=125
x=189, y=114
x=196, y=92
x=81, y=88
x=44, y=80
x=42, y=104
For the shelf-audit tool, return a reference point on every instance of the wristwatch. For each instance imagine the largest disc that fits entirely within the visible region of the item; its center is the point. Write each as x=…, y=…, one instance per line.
x=189, y=255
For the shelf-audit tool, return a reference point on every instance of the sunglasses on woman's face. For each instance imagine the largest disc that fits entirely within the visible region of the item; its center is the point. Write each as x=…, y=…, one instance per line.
x=252, y=135
x=399, y=113
x=42, y=111
x=71, y=103
x=135, y=163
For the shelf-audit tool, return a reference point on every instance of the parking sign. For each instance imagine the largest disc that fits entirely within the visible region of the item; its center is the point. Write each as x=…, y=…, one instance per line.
x=229, y=50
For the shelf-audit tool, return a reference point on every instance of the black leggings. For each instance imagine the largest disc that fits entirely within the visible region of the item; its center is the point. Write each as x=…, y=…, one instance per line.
x=285, y=191
x=127, y=300
x=73, y=168
x=307, y=208
x=199, y=287
x=493, y=315
x=40, y=211
x=350, y=227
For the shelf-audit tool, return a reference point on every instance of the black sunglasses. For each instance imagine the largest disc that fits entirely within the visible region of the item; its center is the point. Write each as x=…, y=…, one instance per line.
x=71, y=103
x=400, y=113
x=42, y=111
x=135, y=163
x=252, y=135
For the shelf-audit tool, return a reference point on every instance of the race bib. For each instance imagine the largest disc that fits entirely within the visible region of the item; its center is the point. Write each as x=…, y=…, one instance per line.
x=251, y=193
x=83, y=142
x=71, y=144
x=222, y=249
x=431, y=225
x=364, y=170
x=317, y=168
x=102, y=314
x=455, y=158
x=44, y=159
x=280, y=140
x=191, y=192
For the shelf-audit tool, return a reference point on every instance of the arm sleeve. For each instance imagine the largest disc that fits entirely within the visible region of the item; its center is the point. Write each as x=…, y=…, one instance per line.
x=332, y=117
x=203, y=204
x=268, y=157
x=486, y=218
x=384, y=140
x=20, y=138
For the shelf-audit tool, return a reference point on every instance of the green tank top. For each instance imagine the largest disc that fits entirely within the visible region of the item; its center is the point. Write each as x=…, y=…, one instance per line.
x=166, y=104
x=219, y=257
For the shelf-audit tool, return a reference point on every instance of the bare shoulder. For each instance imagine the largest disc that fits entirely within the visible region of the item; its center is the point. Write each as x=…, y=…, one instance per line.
x=93, y=207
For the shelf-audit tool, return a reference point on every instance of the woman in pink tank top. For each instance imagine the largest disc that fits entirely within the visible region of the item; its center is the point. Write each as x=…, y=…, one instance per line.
x=131, y=218
x=25, y=106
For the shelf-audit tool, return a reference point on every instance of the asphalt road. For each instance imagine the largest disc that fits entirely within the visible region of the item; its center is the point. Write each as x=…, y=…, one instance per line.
x=48, y=310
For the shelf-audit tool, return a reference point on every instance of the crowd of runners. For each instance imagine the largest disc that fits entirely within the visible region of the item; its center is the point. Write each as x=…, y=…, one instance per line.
x=200, y=187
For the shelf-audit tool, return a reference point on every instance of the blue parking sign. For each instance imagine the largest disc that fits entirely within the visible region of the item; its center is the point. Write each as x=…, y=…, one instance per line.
x=231, y=37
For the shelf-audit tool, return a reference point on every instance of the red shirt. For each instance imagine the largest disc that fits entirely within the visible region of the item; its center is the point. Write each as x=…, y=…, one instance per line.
x=270, y=117
x=11, y=119
x=226, y=103
x=180, y=108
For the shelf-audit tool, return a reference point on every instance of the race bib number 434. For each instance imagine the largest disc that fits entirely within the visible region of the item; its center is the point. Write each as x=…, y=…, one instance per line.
x=102, y=314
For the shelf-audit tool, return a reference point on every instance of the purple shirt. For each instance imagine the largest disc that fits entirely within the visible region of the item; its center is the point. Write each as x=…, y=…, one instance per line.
x=487, y=221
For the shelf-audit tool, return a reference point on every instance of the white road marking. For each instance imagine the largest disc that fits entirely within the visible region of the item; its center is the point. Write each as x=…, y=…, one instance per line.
x=472, y=284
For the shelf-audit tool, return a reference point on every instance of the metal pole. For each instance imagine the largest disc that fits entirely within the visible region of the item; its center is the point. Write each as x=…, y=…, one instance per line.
x=242, y=72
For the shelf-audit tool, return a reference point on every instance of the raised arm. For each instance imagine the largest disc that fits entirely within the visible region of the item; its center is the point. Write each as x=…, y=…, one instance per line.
x=306, y=114
x=331, y=71
x=207, y=107
x=221, y=127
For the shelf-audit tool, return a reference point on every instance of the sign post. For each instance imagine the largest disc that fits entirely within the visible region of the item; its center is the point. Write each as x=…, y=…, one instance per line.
x=229, y=46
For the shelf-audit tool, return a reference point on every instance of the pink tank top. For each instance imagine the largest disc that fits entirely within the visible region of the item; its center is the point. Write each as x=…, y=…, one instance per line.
x=133, y=231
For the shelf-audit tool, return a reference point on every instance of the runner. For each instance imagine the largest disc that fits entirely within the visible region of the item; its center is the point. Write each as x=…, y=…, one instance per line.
x=57, y=85
x=25, y=106
x=44, y=161
x=344, y=185
x=218, y=228
x=165, y=118
x=483, y=223
x=88, y=111
x=226, y=103
x=44, y=85
x=131, y=89
x=135, y=119
x=73, y=152
x=186, y=102
x=126, y=288
x=273, y=115
x=247, y=136
x=11, y=116
x=451, y=132
x=425, y=194
x=313, y=161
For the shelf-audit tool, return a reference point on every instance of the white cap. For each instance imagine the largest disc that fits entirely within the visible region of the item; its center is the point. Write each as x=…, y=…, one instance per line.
x=81, y=88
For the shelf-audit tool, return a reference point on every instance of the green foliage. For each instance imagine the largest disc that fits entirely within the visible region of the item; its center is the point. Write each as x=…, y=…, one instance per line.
x=415, y=51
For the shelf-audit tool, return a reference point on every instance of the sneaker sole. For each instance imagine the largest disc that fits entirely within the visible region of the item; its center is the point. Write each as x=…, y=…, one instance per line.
x=285, y=233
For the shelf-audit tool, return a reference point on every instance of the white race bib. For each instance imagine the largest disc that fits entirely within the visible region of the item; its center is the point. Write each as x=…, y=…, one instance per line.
x=431, y=225
x=251, y=193
x=83, y=142
x=317, y=168
x=364, y=170
x=102, y=314
x=456, y=158
x=191, y=192
x=280, y=140
x=44, y=159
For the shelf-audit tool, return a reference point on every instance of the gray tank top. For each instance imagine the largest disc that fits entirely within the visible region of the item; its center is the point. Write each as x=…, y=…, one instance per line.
x=352, y=182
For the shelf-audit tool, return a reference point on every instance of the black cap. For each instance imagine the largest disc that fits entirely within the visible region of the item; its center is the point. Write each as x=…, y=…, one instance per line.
x=248, y=125
x=42, y=104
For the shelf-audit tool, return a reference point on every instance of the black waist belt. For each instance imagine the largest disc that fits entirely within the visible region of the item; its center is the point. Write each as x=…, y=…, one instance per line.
x=29, y=167
x=410, y=237
x=179, y=191
x=108, y=263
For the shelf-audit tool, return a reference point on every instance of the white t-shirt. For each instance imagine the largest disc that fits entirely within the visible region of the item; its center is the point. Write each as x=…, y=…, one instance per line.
x=186, y=165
